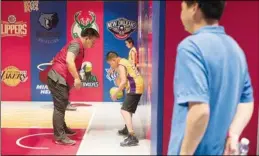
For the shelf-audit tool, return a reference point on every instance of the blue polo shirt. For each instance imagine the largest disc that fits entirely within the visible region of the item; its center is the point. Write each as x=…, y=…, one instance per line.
x=210, y=68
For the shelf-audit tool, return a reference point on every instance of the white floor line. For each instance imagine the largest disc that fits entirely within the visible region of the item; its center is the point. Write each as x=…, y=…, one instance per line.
x=87, y=129
x=91, y=121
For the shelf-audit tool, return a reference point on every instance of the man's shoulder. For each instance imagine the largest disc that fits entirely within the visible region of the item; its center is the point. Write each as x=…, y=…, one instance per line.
x=188, y=44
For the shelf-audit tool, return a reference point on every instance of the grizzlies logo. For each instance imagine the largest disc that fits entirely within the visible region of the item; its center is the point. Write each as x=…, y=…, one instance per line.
x=48, y=21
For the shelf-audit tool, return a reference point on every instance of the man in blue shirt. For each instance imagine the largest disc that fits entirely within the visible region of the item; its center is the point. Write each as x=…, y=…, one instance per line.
x=212, y=87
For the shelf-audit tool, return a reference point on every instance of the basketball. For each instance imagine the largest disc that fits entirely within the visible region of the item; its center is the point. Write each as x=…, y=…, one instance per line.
x=87, y=66
x=119, y=95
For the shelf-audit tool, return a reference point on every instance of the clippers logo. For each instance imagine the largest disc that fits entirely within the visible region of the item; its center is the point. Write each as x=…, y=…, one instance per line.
x=13, y=27
x=121, y=27
x=48, y=21
x=81, y=24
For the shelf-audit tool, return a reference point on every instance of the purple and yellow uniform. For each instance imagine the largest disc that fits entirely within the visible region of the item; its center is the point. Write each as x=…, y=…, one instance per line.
x=135, y=82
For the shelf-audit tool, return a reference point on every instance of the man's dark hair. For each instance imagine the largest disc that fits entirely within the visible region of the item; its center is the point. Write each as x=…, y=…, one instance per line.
x=130, y=40
x=211, y=9
x=110, y=55
x=89, y=32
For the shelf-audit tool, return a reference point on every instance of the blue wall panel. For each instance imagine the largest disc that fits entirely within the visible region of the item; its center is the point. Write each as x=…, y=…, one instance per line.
x=112, y=12
x=48, y=36
x=158, y=44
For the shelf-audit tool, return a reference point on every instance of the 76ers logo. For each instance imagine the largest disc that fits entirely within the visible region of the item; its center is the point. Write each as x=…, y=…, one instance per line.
x=121, y=27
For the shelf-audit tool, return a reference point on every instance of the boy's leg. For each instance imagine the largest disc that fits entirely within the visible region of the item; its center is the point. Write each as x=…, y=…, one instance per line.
x=128, y=108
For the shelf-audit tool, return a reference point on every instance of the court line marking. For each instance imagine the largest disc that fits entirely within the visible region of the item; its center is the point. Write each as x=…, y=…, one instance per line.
x=91, y=121
x=88, y=128
x=27, y=136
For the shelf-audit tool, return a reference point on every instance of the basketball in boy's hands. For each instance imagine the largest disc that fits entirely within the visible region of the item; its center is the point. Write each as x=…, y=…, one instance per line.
x=119, y=95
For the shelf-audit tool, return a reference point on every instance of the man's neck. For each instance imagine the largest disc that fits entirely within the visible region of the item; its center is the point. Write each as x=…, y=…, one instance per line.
x=203, y=24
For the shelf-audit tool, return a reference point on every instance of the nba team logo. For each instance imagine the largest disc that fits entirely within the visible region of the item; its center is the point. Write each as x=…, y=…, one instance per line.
x=81, y=24
x=111, y=77
x=12, y=76
x=91, y=82
x=13, y=27
x=30, y=6
x=48, y=21
x=121, y=27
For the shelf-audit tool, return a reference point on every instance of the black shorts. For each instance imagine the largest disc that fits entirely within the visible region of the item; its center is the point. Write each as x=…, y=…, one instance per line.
x=131, y=102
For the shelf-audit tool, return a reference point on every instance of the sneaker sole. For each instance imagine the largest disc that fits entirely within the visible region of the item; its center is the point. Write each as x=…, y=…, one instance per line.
x=71, y=109
x=60, y=143
x=71, y=134
x=123, y=134
x=136, y=144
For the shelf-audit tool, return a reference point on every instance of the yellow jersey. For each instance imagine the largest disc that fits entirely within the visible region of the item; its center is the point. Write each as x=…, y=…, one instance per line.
x=132, y=52
x=135, y=82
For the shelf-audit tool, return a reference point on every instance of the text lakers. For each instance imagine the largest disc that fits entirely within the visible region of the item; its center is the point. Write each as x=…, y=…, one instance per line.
x=12, y=76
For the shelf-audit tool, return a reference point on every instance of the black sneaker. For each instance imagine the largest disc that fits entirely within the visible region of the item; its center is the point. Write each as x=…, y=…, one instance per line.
x=71, y=108
x=65, y=141
x=124, y=131
x=69, y=132
x=131, y=140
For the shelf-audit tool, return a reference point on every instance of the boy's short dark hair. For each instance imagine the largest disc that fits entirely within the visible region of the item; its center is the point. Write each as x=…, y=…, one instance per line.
x=89, y=32
x=212, y=9
x=130, y=40
x=110, y=55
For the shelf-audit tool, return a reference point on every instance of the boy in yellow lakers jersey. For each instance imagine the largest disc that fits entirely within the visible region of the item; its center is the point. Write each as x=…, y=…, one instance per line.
x=132, y=81
x=133, y=55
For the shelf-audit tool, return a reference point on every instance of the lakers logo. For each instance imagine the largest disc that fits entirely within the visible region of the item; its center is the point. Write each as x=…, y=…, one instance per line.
x=12, y=76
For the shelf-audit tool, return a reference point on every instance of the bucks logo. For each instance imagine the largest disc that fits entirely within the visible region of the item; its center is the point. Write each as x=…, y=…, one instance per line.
x=81, y=24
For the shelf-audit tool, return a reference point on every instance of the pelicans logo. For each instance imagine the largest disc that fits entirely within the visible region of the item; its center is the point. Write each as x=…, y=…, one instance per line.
x=121, y=27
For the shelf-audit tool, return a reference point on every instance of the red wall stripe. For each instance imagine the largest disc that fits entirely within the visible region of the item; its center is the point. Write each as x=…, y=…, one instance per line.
x=94, y=55
x=15, y=52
